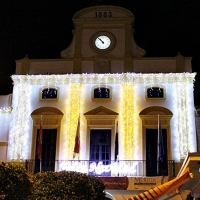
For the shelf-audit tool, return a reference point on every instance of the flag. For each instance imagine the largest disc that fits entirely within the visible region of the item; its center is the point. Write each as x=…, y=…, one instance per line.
x=116, y=144
x=160, y=142
x=39, y=142
x=160, y=151
x=77, y=143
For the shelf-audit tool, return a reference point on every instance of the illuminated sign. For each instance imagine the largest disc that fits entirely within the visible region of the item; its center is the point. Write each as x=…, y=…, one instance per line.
x=116, y=167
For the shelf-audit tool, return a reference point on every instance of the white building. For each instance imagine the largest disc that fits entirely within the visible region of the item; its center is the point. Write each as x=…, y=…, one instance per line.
x=104, y=81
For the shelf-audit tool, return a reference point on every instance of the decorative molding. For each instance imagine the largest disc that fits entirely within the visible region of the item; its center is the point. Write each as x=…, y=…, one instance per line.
x=47, y=111
x=101, y=111
x=3, y=144
x=102, y=65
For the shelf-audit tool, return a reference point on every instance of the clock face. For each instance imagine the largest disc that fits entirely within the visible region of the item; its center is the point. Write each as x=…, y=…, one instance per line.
x=102, y=42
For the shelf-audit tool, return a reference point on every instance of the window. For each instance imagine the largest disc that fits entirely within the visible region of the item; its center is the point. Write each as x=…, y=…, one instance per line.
x=49, y=93
x=101, y=93
x=155, y=93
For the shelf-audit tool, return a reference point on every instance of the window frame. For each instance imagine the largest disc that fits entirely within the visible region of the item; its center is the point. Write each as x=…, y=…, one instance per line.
x=101, y=99
x=155, y=98
x=49, y=99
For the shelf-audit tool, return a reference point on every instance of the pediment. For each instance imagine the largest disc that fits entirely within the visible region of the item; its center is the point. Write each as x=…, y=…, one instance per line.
x=101, y=111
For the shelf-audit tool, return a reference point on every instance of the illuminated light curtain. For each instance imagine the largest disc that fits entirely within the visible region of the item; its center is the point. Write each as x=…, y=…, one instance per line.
x=19, y=128
x=102, y=78
x=5, y=109
x=182, y=104
x=128, y=115
x=72, y=115
x=21, y=105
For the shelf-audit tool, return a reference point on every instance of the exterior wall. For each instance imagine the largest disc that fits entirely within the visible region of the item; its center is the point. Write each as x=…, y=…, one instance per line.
x=5, y=118
x=197, y=119
x=4, y=132
x=103, y=64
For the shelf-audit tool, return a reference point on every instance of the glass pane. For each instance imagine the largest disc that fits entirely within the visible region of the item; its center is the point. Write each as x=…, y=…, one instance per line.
x=101, y=93
x=49, y=93
x=101, y=139
x=155, y=92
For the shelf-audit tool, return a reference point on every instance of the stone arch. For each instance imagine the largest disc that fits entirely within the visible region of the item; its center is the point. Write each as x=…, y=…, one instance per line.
x=149, y=117
x=51, y=119
x=46, y=111
x=156, y=110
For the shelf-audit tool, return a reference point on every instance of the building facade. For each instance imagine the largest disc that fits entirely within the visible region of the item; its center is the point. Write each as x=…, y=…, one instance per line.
x=105, y=92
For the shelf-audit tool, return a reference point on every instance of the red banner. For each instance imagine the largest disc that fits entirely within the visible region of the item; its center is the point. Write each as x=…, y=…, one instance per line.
x=115, y=183
x=77, y=142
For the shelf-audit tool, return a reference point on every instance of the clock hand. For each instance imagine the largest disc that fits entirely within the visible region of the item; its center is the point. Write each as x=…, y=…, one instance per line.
x=101, y=40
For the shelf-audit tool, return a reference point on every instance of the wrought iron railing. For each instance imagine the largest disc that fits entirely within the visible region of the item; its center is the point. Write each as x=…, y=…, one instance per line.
x=115, y=168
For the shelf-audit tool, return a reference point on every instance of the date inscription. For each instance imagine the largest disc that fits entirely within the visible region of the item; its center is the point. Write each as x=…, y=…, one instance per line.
x=103, y=14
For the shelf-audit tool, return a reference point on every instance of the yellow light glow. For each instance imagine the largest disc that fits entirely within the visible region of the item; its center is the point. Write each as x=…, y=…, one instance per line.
x=128, y=115
x=72, y=115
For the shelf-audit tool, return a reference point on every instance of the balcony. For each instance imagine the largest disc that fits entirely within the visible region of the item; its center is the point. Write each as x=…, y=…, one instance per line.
x=98, y=168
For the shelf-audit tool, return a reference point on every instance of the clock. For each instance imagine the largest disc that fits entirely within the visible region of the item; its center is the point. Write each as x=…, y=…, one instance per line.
x=102, y=42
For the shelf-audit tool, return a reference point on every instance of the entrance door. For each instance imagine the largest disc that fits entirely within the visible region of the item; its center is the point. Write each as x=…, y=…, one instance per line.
x=153, y=166
x=100, y=150
x=48, y=150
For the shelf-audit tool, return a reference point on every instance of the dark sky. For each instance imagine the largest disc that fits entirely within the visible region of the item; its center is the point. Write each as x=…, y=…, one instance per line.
x=42, y=28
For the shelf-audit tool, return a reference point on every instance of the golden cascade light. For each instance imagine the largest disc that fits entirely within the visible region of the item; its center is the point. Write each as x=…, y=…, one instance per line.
x=72, y=115
x=128, y=120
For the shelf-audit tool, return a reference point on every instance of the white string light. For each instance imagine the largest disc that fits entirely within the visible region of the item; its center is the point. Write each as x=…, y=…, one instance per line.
x=19, y=131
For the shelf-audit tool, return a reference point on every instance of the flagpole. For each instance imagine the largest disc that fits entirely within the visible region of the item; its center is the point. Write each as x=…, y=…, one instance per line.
x=158, y=140
x=40, y=165
x=40, y=140
x=161, y=151
x=116, y=143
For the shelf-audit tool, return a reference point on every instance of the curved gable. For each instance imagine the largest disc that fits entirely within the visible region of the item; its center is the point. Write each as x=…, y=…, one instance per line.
x=47, y=111
x=155, y=110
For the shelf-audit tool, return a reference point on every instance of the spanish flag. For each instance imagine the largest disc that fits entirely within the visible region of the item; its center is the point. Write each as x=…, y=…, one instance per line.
x=77, y=142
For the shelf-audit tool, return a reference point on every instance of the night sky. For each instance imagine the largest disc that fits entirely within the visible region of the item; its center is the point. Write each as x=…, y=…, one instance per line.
x=43, y=28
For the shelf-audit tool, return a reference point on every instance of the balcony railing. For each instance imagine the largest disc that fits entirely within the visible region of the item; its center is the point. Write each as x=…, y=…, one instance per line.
x=115, y=168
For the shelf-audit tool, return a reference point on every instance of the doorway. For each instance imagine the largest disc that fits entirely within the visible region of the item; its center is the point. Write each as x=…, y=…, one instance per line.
x=153, y=166
x=100, y=150
x=48, y=150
